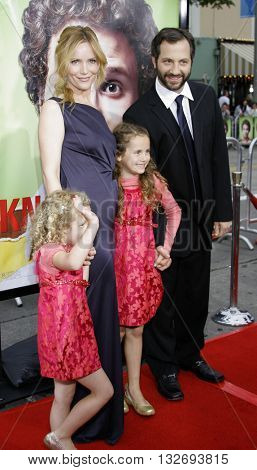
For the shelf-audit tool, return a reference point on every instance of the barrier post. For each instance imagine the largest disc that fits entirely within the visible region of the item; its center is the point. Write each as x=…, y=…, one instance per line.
x=232, y=316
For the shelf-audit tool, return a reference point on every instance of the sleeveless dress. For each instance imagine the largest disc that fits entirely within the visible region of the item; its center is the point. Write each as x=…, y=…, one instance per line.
x=67, y=346
x=87, y=163
x=139, y=283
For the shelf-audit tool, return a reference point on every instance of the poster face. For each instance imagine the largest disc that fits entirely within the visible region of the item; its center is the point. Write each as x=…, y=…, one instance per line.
x=29, y=72
x=246, y=130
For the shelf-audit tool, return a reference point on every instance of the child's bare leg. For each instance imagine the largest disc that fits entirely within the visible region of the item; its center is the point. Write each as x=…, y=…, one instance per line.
x=133, y=353
x=101, y=392
x=63, y=395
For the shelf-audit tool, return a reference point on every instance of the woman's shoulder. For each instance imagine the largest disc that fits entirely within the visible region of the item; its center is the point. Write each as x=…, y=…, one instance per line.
x=52, y=104
x=51, y=115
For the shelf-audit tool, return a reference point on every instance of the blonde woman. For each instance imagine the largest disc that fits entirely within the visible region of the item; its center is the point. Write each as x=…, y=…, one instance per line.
x=78, y=152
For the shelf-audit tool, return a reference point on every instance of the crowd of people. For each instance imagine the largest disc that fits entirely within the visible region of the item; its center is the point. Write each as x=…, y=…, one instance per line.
x=245, y=114
x=246, y=107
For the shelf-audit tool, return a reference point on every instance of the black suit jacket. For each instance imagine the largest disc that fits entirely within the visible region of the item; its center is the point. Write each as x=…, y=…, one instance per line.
x=169, y=152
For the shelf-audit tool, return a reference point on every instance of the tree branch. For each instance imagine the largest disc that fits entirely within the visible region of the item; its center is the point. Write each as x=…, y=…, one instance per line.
x=213, y=3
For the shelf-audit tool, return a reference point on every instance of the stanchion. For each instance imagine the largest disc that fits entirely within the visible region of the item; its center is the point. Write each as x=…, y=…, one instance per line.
x=232, y=316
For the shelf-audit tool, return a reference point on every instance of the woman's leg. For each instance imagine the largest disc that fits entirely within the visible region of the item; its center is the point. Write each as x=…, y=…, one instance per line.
x=133, y=354
x=101, y=392
x=122, y=332
x=63, y=395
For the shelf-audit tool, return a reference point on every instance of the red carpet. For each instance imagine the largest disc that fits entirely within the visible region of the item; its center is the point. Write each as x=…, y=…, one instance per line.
x=210, y=417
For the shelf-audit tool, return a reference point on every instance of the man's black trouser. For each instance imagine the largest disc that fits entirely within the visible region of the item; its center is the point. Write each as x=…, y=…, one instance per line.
x=175, y=335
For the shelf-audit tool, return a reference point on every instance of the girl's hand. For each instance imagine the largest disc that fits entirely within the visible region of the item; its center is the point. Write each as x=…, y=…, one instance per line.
x=90, y=216
x=162, y=258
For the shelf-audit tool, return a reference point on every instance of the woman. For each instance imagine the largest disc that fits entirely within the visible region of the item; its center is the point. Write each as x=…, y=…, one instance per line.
x=78, y=152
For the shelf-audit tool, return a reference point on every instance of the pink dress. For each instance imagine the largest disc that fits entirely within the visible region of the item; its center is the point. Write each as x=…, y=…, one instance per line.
x=139, y=283
x=67, y=346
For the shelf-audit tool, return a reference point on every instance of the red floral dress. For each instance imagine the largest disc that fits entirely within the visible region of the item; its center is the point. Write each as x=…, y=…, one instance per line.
x=139, y=283
x=67, y=346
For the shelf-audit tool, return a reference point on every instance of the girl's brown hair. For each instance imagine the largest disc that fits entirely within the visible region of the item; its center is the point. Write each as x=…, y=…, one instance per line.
x=52, y=219
x=123, y=133
x=70, y=38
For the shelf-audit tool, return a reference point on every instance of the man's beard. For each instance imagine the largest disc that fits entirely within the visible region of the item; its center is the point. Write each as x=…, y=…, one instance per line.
x=173, y=86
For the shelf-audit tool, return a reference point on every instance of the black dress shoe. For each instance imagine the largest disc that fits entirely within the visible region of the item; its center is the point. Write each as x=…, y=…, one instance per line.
x=203, y=371
x=169, y=387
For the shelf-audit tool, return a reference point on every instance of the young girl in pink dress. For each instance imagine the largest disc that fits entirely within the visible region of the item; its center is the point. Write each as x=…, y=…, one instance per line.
x=62, y=233
x=139, y=286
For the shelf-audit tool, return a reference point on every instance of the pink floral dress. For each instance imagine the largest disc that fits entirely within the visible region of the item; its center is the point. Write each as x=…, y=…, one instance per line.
x=139, y=283
x=67, y=346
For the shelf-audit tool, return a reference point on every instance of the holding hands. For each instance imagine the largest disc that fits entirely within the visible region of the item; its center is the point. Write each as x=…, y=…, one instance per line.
x=162, y=258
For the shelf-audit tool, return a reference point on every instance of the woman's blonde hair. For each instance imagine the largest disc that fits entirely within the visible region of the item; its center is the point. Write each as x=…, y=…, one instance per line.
x=70, y=38
x=123, y=134
x=52, y=219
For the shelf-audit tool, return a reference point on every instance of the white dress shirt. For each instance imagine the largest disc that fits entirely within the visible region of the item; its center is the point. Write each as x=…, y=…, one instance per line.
x=168, y=98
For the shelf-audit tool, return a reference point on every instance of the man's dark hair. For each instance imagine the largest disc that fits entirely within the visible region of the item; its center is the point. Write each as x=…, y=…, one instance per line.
x=43, y=19
x=172, y=35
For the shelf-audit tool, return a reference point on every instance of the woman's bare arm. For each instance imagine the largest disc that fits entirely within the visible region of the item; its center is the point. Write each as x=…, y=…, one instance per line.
x=51, y=135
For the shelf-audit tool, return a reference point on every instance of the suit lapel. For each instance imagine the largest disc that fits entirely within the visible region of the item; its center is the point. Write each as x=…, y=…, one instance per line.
x=164, y=115
x=167, y=119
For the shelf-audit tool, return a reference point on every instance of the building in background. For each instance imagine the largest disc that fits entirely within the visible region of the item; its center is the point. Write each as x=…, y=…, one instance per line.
x=224, y=50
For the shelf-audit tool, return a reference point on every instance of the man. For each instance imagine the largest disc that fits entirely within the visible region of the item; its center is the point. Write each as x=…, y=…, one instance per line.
x=224, y=99
x=225, y=111
x=189, y=147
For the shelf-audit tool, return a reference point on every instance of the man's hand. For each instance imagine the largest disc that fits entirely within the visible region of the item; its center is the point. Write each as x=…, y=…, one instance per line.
x=220, y=228
x=162, y=258
x=90, y=256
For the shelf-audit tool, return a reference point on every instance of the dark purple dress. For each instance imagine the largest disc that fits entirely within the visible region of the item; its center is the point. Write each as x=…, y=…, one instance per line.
x=87, y=163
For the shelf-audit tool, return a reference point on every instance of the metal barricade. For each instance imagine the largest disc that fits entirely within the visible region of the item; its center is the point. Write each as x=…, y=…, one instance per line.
x=236, y=144
x=248, y=219
x=236, y=127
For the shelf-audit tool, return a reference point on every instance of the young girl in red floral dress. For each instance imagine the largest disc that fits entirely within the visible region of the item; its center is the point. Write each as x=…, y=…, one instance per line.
x=62, y=233
x=139, y=286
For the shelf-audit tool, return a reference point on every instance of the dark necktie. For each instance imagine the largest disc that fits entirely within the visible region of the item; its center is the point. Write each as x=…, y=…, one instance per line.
x=190, y=148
